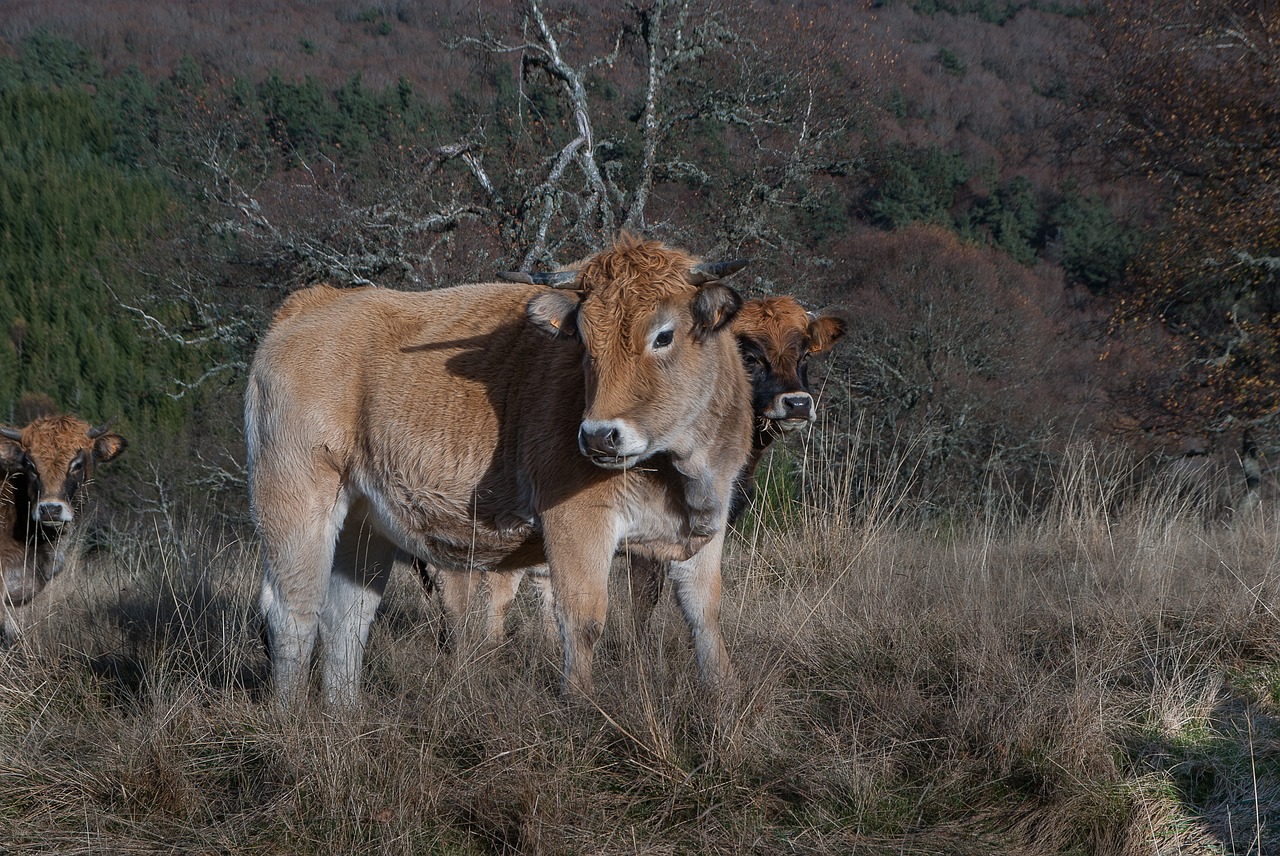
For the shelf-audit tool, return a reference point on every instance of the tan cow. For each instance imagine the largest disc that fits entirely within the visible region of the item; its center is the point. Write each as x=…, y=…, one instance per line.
x=776, y=337
x=43, y=468
x=495, y=426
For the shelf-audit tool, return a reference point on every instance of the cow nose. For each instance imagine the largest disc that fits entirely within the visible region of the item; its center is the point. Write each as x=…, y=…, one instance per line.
x=53, y=512
x=797, y=406
x=599, y=441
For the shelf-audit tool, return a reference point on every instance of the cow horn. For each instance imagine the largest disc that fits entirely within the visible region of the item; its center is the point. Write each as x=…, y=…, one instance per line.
x=11, y=433
x=555, y=279
x=711, y=271
x=98, y=431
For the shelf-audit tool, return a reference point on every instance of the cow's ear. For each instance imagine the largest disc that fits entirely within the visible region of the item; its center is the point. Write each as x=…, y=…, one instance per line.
x=555, y=313
x=825, y=331
x=10, y=454
x=108, y=447
x=714, y=306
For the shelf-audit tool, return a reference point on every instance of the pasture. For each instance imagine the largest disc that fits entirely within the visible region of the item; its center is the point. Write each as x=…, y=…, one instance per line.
x=1100, y=677
x=966, y=635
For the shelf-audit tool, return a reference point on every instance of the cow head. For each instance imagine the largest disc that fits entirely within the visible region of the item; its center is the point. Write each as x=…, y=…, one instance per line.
x=650, y=320
x=776, y=337
x=55, y=455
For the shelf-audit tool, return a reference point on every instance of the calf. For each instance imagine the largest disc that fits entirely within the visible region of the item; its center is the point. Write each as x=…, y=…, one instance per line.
x=493, y=426
x=42, y=470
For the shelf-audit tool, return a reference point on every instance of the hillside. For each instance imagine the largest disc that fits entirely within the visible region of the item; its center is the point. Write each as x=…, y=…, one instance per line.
x=1012, y=593
x=405, y=146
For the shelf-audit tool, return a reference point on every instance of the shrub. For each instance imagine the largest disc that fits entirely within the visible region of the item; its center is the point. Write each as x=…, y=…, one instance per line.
x=1094, y=248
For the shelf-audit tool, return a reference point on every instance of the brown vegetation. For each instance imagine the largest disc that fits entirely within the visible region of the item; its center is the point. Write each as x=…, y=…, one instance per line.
x=1083, y=681
x=1185, y=97
x=974, y=357
x=957, y=629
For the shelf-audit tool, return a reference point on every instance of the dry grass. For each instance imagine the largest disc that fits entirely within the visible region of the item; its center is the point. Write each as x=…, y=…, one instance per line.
x=1088, y=680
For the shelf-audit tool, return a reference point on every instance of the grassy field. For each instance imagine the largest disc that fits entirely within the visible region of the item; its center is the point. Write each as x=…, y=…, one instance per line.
x=1102, y=677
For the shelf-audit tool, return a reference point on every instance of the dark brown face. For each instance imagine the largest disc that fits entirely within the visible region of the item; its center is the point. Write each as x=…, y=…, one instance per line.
x=54, y=457
x=776, y=338
x=779, y=387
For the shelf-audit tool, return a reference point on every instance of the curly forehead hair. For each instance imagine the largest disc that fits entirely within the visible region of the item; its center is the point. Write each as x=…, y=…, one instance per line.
x=57, y=425
x=768, y=314
x=633, y=276
x=776, y=324
x=645, y=270
x=55, y=437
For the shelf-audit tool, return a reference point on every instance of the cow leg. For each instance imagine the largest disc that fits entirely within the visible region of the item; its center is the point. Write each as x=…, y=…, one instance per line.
x=697, y=590
x=541, y=578
x=9, y=634
x=648, y=578
x=500, y=599
x=298, y=538
x=501, y=588
x=426, y=574
x=361, y=567
x=579, y=556
x=457, y=591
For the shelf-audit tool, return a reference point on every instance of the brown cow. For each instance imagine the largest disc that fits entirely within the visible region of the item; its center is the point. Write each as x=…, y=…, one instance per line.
x=776, y=337
x=495, y=426
x=42, y=470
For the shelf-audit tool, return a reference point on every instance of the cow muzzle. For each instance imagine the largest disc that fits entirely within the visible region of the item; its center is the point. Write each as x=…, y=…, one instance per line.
x=791, y=411
x=53, y=513
x=612, y=444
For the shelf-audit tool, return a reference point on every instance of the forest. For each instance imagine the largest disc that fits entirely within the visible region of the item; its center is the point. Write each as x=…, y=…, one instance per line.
x=1053, y=230
x=956, y=173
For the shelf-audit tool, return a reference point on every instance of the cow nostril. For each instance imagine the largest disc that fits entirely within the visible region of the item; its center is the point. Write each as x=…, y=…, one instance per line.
x=52, y=512
x=796, y=402
x=604, y=441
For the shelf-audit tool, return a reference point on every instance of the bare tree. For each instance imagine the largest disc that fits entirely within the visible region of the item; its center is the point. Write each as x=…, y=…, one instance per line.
x=707, y=139
x=1185, y=97
x=358, y=242
x=696, y=69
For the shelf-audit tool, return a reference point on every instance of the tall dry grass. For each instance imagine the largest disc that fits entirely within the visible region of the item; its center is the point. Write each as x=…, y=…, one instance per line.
x=1099, y=677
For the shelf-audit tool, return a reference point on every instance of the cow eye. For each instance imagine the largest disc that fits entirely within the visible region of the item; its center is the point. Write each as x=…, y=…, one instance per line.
x=77, y=465
x=663, y=339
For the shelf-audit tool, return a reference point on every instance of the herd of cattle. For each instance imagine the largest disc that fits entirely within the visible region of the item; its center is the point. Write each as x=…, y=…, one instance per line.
x=536, y=427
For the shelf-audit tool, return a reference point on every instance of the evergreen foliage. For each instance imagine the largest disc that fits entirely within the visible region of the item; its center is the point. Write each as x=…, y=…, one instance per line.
x=951, y=63
x=917, y=185
x=304, y=118
x=1095, y=249
x=1010, y=218
x=921, y=185
x=69, y=201
x=83, y=193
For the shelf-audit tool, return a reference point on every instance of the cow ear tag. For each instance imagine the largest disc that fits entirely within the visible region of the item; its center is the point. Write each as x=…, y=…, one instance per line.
x=554, y=313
